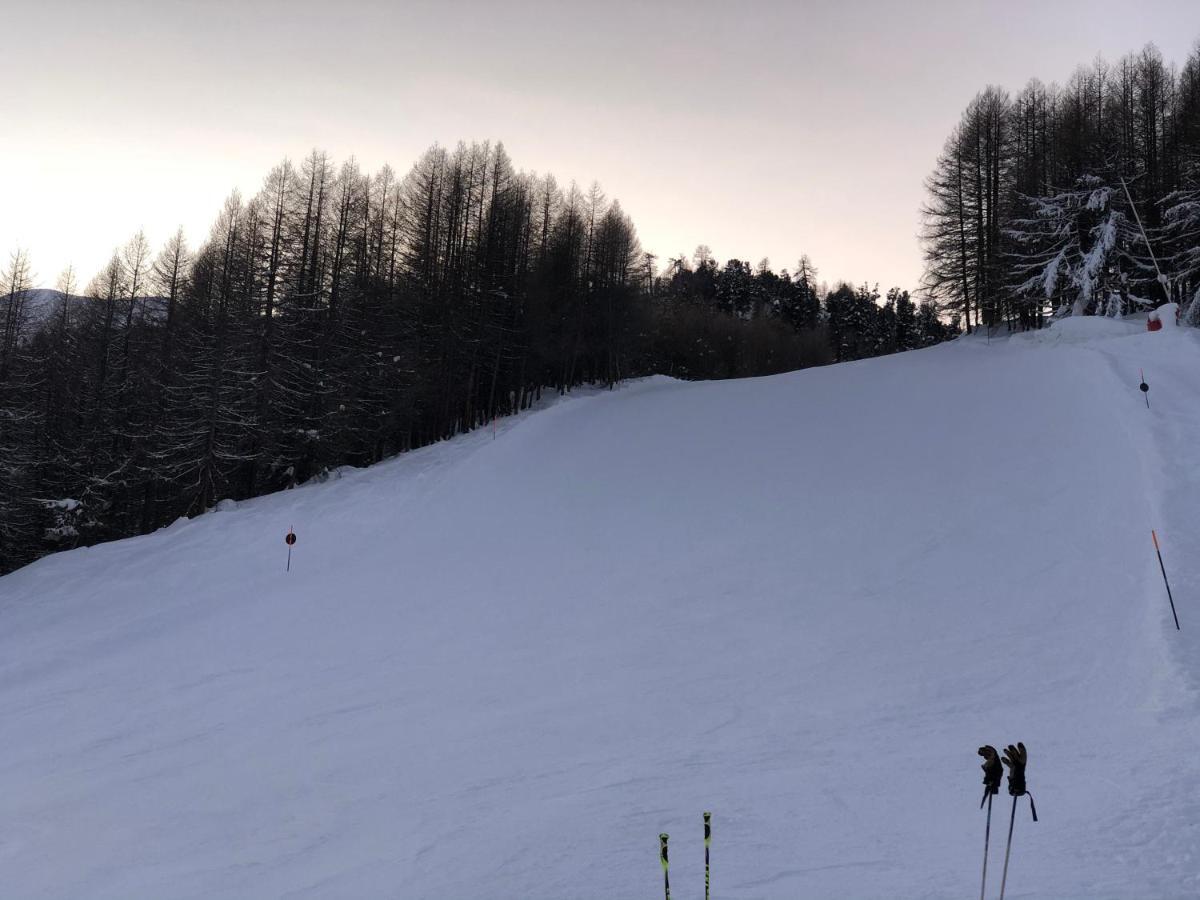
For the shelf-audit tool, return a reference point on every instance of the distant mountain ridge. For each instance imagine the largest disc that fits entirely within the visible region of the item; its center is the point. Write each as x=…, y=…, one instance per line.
x=39, y=305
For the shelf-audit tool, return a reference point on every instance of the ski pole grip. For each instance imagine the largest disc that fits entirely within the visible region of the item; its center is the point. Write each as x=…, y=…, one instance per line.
x=662, y=851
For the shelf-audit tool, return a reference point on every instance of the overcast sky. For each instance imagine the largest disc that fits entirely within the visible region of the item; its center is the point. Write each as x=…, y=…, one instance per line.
x=762, y=129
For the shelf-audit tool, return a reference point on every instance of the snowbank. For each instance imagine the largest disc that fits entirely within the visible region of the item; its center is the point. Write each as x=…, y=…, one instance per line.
x=1167, y=316
x=1084, y=329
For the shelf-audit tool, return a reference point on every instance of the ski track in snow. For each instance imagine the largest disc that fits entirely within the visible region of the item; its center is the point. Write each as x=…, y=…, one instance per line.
x=499, y=668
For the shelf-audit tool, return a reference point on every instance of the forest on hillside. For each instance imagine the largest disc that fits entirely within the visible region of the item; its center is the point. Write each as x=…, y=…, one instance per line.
x=1078, y=199
x=336, y=318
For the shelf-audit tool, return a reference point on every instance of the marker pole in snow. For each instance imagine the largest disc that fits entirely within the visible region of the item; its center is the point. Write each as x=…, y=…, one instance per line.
x=1154, y=535
x=707, y=844
x=1144, y=388
x=289, y=540
x=662, y=858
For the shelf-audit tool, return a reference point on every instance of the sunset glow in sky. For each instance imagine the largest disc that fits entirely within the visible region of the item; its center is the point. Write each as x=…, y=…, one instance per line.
x=761, y=129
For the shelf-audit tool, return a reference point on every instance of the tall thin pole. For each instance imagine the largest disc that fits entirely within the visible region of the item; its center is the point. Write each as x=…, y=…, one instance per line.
x=1154, y=535
x=1138, y=219
x=987, y=837
x=707, y=844
x=1008, y=850
x=662, y=857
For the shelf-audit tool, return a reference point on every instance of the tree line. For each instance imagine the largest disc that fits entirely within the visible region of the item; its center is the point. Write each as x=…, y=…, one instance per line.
x=336, y=318
x=1076, y=199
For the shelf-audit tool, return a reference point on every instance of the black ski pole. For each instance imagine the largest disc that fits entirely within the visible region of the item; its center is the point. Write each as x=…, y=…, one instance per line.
x=1154, y=535
x=1144, y=388
x=987, y=837
x=662, y=857
x=707, y=844
x=993, y=771
x=1008, y=850
x=1015, y=757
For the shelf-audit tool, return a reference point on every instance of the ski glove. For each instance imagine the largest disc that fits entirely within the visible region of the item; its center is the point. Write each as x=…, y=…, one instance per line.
x=992, y=770
x=1015, y=758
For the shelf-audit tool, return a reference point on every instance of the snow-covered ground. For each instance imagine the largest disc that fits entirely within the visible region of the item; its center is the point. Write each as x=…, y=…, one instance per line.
x=499, y=668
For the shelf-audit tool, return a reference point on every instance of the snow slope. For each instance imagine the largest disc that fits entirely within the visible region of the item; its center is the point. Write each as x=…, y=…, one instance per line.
x=499, y=668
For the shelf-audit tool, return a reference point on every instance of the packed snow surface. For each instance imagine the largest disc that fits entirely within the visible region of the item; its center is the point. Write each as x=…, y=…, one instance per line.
x=499, y=667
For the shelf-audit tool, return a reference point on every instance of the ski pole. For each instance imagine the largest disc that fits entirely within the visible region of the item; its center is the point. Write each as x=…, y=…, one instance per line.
x=987, y=837
x=1008, y=850
x=707, y=844
x=1144, y=388
x=1154, y=535
x=662, y=858
x=993, y=771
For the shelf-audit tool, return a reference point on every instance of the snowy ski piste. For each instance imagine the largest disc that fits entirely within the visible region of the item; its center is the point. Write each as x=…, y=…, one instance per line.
x=500, y=666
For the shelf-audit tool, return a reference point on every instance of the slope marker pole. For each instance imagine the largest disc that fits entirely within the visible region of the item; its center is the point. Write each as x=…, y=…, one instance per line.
x=289, y=540
x=1154, y=535
x=662, y=858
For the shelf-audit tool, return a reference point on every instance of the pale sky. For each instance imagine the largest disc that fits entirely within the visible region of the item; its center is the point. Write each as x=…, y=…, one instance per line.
x=759, y=128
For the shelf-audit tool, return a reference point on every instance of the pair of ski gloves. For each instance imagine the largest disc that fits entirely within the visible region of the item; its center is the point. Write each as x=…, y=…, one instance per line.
x=1015, y=758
